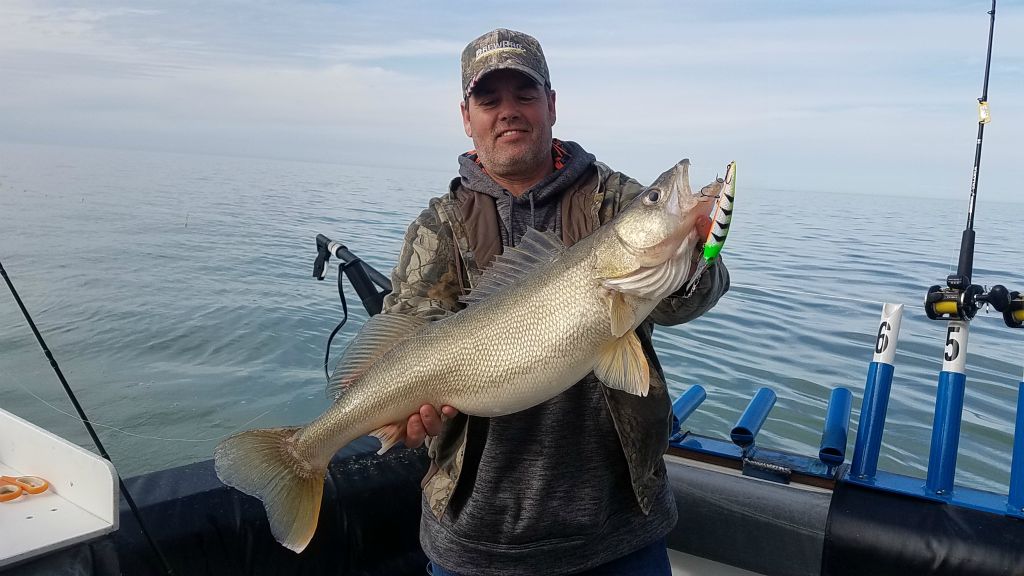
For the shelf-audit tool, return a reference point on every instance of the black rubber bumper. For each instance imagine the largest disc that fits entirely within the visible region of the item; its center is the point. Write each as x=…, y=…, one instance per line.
x=883, y=534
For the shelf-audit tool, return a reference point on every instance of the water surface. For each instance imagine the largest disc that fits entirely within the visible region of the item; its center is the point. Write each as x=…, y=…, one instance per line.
x=176, y=293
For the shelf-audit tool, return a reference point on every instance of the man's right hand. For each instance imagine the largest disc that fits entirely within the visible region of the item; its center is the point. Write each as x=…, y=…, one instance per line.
x=426, y=422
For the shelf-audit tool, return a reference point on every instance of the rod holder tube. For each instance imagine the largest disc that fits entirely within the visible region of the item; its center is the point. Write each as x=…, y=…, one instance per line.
x=876, y=394
x=753, y=418
x=1016, y=499
x=949, y=405
x=688, y=402
x=872, y=421
x=837, y=427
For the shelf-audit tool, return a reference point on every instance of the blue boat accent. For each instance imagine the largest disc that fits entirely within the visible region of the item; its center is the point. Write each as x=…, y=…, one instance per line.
x=753, y=418
x=707, y=446
x=910, y=486
x=727, y=453
x=949, y=405
x=872, y=420
x=1015, y=505
x=837, y=427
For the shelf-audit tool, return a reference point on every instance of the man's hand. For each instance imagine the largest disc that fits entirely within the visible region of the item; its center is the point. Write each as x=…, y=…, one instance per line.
x=426, y=422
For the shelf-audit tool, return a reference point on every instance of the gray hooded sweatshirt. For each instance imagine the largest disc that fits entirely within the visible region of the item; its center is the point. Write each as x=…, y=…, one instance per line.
x=546, y=490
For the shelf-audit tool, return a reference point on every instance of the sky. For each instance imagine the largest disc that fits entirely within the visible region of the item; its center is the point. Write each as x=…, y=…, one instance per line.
x=877, y=97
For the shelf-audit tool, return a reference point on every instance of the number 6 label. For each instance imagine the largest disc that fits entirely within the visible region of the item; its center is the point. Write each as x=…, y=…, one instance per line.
x=954, y=356
x=887, y=334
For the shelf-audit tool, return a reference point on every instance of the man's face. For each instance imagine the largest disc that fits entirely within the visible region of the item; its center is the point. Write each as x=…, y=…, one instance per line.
x=509, y=117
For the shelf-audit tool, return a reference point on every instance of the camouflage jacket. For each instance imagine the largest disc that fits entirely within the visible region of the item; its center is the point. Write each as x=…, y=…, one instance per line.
x=455, y=238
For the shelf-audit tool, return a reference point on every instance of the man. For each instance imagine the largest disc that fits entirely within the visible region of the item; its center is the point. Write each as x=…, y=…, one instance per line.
x=577, y=484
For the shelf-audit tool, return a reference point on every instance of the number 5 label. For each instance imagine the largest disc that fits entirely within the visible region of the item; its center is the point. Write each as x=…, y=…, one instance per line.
x=955, y=354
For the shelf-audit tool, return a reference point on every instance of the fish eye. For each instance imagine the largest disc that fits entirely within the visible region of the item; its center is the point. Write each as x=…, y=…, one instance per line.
x=652, y=197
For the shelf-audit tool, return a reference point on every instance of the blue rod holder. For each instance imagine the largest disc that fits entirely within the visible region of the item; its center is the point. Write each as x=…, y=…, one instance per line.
x=949, y=406
x=837, y=428
x=753, y=418
x=872, y=420
x=688, y=402
x=1016, y=500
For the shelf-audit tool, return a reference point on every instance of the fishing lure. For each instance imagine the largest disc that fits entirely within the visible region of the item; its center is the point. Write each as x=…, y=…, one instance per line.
x=720, y=221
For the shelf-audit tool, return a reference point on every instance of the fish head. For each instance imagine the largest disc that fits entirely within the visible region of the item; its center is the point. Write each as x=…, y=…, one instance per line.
x=650, y=251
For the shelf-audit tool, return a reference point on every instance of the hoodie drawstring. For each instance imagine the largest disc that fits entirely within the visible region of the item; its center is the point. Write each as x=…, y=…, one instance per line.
x=511, y=219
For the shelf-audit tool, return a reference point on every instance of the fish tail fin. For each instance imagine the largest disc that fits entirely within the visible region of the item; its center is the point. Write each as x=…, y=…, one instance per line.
x=265, y=464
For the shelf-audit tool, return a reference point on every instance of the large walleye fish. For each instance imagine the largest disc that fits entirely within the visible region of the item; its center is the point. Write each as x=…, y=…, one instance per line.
x=539, y=320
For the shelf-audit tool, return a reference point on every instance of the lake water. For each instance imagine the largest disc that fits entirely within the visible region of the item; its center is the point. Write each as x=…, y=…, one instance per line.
x=176, y=293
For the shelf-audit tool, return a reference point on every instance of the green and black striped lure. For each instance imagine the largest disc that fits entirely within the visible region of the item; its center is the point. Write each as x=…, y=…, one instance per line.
x=720, y=222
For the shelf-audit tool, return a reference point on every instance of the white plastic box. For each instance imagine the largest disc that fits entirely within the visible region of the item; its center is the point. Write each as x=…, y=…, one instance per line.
x=81, y=504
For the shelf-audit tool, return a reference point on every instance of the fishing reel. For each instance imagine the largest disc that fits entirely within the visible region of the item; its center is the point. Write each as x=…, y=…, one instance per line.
x=1013, y=315
x=954, y=303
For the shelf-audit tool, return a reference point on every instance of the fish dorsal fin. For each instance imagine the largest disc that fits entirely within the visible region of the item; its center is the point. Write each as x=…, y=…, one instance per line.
x=378, y=335
x=534, y=250
x=622, y=365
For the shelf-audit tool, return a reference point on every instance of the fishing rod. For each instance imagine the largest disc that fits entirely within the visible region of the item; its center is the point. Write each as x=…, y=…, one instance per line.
x=85, y=420
x=958, y=303
x=961, y=298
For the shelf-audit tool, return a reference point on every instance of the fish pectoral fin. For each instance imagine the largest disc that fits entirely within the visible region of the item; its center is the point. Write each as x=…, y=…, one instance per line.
x=378, y=335
x=389, y=435
x=621, y=314
x=622, y=365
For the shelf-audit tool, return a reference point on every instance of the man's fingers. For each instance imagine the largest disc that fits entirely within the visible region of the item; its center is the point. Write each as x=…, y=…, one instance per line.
x=426, y=422
x=414, y=432
x=431, y=420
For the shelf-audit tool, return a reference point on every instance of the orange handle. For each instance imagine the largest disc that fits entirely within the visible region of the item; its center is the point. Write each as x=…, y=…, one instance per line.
x=11, y=486
x=9, y=491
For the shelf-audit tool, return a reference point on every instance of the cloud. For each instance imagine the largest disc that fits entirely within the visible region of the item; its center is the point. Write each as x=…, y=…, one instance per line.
x=130, y=90
x=413, y=48
x=804, y=93
x=808, y=100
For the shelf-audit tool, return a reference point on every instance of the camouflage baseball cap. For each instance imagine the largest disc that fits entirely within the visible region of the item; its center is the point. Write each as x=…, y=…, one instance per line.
x=503, y=49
